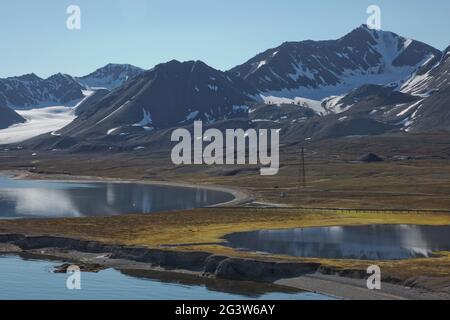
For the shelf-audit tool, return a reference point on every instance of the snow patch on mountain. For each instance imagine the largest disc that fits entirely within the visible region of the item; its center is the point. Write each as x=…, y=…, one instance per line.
x=111, y=131
x=146, y=120
x=261, y=64
x=30, y=91
x=408, y=109
x=410, y=121
x=110, y=76
x=213, y=87
x=39, y=121
x=241, y=108
x=192, y=116
x=320, y=69
x=315, y=105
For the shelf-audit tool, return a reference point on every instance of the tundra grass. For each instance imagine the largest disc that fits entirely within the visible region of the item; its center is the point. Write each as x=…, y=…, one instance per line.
x=203, y=230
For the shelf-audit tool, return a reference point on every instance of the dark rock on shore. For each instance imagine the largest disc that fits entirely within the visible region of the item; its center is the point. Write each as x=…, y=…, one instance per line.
x=94, y=268
x=221, y=267
x=194, y=261
x=212, y=263
x=371, y=157
x=241, y=269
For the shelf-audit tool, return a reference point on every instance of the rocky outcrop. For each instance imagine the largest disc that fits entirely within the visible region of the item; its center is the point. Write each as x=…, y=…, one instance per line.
x=253, y=270
x=92, y=268
x=371, y=157
x=194, y=261
x=219, y=266
x=30, y=91
x=9, y=117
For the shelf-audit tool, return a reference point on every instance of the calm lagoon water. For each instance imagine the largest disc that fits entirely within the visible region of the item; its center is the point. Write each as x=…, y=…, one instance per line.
x=47, y=199
x=374, y=242
x=22, y=279
x=34, y=280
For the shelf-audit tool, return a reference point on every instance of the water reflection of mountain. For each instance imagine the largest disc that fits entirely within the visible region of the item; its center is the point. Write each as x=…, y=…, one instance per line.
x=46, y=199
x=380, y=242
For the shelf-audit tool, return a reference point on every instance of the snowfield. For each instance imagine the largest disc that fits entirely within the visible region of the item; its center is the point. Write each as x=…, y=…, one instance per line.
x=39, y=121
x=315, y=105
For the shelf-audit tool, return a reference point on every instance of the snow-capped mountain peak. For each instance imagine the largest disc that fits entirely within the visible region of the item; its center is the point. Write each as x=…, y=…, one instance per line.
x=319, y=69
x=30, y=91
x=110, y=76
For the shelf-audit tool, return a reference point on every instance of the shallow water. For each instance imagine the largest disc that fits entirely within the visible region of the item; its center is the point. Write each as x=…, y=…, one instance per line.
x=33, y=279
x=374, y=242
x=47, y=199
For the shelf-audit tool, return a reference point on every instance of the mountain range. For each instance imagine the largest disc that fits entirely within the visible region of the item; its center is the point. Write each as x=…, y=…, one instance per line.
x=30, y=91
x=365, y=83
x=110, y=76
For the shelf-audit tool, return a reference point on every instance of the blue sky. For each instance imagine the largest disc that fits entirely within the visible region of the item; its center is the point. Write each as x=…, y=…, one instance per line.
x=34, y=36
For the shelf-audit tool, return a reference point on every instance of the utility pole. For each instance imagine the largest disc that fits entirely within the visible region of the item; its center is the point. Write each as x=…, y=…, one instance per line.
x=302, y=169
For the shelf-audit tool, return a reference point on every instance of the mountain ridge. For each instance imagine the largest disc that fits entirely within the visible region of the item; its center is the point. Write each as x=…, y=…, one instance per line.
x=170, y=94
x=31, y=91
x=374, y=70
x=110, y=76
x=318, y=69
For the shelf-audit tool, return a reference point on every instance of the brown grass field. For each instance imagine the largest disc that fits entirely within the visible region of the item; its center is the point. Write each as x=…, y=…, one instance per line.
x=383, y=193
x=190, y=230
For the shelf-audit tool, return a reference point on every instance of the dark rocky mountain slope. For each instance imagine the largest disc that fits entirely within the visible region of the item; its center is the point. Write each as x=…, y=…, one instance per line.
x=30, y=91
x=110, y=76
x=172, y=94
x=9, y=117
x=319, y=69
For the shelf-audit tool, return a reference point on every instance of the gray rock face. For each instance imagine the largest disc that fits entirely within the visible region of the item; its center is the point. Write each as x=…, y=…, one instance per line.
x=333, y=126
x=240, y=269
x=431, y=114
x=91, y=268
x=172, y=94
x=374, y=96
x=8, y=117
x=371, y=157
x=318, y=69
x=30, y=91
x=110, y=76
x=432, y=111
x=421, y=104
x=437, y=78
x=406, y=111
x=280, y=113
x=91, y=101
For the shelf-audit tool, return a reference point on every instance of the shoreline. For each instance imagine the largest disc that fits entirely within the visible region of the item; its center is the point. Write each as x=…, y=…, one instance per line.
x=96, y=256
x=62, y=260
x=308, y=277
x=241, y=196
x=302, y=275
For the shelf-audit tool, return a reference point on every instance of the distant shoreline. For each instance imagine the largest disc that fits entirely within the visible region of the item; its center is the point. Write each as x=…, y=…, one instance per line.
x=240, y=195
x=309, y=275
